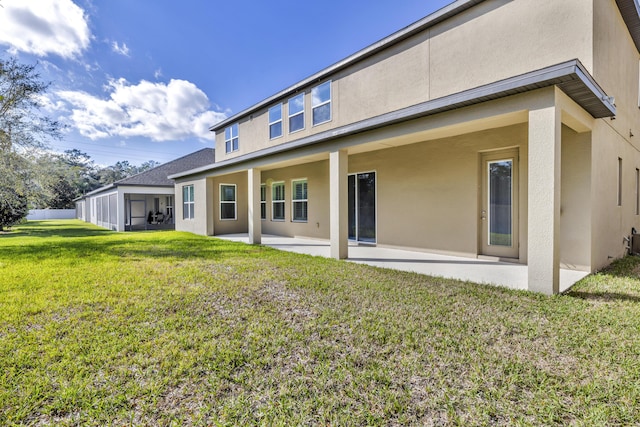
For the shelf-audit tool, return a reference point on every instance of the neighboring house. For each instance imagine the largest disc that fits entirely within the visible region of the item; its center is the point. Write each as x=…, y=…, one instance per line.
x=487, y=129
x=140, y=202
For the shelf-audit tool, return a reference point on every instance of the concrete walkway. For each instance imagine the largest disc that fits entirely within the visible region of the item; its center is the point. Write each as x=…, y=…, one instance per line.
x=474, y=270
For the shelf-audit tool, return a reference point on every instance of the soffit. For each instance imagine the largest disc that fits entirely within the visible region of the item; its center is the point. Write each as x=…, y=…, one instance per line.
x=571, y=77
x=630, y=10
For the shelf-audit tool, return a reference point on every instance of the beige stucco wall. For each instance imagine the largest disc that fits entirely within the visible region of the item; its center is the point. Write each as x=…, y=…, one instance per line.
x=575, y=212
x=230, y=226
x=616, y=70
x=202, y=223
x=492, y=41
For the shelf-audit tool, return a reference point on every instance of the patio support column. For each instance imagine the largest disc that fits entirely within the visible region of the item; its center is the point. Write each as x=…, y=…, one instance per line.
x=254, y=178
x=338, y=199
x=544, y=199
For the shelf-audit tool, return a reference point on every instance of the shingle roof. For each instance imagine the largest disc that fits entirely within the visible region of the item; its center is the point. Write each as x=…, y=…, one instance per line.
x=158, y=176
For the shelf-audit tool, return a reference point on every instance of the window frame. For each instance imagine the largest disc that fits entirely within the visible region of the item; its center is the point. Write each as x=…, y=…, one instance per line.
x=188, y=203
x=234, y=201
x=231, y=140
x=278, y=201
x=294, y=201
x=619, y=181
x=263, y=202
x=321, y=104
x=275, y=122
x=290, y=116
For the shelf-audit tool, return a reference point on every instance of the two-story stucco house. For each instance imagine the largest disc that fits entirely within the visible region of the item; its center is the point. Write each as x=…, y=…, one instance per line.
x=490, y=128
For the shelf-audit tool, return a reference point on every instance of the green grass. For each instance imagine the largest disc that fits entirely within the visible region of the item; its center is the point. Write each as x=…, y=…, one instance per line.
x=168, y=328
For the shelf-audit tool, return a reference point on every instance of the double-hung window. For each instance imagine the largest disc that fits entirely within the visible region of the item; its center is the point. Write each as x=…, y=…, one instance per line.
x=227, y=201
x=321, y=103
x=187, y=202
x=277, y=201
x=299, y=200
x=231, y=138
x=296, y=113
x=275, y=121
x=263, y=201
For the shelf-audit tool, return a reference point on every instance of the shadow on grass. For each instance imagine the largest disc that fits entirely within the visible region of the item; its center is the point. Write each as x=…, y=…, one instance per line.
x=79, y=240
x=604, y=296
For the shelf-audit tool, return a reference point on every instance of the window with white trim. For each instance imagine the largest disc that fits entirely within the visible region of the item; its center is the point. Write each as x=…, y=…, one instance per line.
x=231, y=138
x=188, y=203
x=296, y=113
x=228, y=201
x=299, y=200
x=321, y=103
x=263, y=201
x=275, y=121
x=277, y=201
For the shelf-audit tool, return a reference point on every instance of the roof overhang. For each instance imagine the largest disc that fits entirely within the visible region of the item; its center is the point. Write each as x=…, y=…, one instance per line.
x=630, y=10
x=440, y=15
x=101, y=189
x=571, y=77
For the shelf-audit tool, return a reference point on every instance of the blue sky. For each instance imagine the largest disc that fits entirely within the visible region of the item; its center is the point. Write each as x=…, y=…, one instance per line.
x=143, y=80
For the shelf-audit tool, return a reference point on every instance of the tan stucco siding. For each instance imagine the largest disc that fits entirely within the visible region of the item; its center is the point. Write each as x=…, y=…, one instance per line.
x=428, y=192
x=610, y=222
x=575, y=212
x=202, y=222
x=499, y=39
x=492, y=41
x=230, y=226
x=616, y=68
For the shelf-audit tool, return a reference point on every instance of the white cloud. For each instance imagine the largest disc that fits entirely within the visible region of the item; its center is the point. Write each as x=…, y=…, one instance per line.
x=122, y=50
x=158, y=73
x=43, y=27
x=161, y=112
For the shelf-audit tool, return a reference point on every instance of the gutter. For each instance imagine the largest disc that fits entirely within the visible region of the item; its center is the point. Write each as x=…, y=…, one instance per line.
x=570, y=76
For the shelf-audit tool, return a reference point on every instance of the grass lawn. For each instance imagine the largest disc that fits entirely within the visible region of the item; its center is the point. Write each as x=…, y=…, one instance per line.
x=168, y=328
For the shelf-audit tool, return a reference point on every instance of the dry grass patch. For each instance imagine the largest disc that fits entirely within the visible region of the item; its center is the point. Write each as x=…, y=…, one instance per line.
x=166, y=328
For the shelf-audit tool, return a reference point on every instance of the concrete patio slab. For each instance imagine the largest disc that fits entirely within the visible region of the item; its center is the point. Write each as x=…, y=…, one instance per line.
x=482, y=271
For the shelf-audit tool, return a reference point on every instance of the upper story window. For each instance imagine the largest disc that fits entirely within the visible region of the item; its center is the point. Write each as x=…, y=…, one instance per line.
x=296, y=113
x=275, y=121
x=187, y=202
x=321, y=103
x=231, y=138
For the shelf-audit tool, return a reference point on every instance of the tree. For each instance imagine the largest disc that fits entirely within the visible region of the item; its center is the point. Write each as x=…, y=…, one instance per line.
x=21, y=123
x=14, y=189
x=22, y=128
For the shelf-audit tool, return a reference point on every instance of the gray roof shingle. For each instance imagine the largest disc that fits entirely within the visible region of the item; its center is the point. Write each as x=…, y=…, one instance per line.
x=158, y=176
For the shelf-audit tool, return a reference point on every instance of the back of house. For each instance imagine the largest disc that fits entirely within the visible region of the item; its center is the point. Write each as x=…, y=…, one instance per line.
x=490, y=128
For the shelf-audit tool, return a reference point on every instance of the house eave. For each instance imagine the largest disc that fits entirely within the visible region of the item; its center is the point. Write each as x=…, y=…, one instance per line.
x=440, y=15
x=630, y=10
x=571, y=77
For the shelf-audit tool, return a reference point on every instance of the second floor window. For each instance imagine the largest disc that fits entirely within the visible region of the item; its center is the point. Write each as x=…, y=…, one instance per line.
x=231, y=138
x=296, y=113
x=275, y=121
x=321, y=103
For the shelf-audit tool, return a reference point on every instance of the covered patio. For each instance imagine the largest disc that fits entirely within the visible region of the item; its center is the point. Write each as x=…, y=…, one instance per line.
x=483, y=271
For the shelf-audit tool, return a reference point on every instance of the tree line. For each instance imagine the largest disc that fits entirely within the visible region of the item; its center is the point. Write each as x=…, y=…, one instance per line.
x=32, y=176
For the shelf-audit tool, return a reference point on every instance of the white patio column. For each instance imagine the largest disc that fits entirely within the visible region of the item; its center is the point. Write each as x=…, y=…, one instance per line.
x=338, y=199
x=121, y=210
x=544, y=200
x=253, y=201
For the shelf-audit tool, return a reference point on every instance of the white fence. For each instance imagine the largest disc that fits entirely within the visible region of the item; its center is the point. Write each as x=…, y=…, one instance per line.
x=40, y=214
